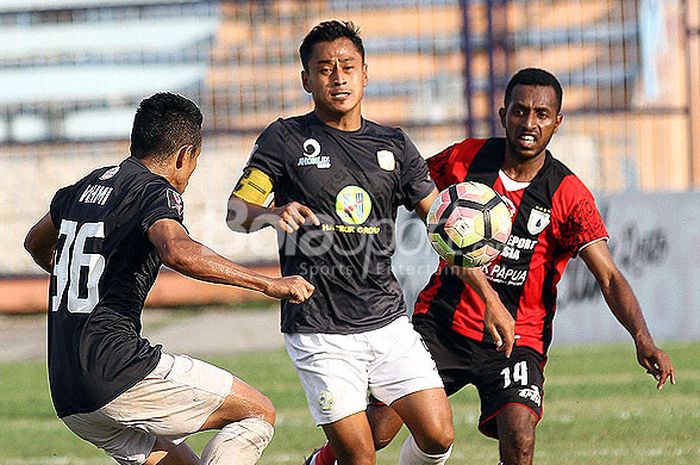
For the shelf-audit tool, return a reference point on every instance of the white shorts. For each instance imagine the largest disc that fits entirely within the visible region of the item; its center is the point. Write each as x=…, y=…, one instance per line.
x=172, y=402
x=339, y=371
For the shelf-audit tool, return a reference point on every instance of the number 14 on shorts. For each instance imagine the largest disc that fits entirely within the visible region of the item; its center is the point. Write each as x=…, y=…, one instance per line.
x=519, y=374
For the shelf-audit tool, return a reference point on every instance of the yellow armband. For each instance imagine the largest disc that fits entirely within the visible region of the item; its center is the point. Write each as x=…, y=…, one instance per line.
x=253, y=187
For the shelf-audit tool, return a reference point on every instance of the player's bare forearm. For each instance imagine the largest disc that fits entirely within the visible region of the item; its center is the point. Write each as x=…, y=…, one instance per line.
x=248, y=217
x=616, y=290
x=243, y=216
x=624, y=305
x=423, y=205
x=497, y=320
x=190, y=258
x=476, y=279
x=187, y=256
x=40, y=242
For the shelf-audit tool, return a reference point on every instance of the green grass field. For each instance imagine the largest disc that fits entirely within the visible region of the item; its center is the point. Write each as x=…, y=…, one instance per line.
x=601, y=409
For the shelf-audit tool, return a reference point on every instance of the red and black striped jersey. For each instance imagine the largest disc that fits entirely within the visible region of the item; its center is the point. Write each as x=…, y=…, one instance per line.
x=555, y=217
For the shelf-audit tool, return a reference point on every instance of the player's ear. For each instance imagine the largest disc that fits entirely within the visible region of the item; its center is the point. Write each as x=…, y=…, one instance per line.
x=305, y=81
x=559, y=119
x=183, y=155
x=365, y=78
x=502, y=116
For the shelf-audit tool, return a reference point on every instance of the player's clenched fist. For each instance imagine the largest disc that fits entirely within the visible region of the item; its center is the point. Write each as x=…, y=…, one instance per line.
x=294, y=288
x=293, y=215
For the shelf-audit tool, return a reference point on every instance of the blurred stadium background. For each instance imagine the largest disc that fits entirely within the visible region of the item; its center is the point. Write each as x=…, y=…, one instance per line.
x=72, y=72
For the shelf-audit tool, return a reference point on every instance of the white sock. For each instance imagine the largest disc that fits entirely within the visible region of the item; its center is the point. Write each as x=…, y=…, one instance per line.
x=412, y=455
x=239, y=443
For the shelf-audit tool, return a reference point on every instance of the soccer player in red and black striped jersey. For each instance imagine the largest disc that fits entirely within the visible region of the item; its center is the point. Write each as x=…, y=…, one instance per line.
x=555, y=219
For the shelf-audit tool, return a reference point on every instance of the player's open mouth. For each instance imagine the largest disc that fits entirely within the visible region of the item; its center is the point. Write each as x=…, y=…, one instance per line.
x=340, y=95
x=526, y=140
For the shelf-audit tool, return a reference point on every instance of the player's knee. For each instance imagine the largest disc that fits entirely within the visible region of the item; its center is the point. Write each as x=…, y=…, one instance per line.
x=385, y=429
x=381, y=442
x=267, y=411
x=367, y=457
x=517, y=446
x=437, y=441
x=357, y=456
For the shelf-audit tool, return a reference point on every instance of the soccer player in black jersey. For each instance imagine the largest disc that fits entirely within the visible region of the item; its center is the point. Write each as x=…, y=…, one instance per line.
x=103, y=241
x=555, y=219
x=338, y=180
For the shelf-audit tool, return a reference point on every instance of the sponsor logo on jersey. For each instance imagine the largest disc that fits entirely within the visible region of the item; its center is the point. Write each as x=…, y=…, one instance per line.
x=109, y=173
x=174, y=201
x=312, y=155
x=515, y=244
x=386, y=160
x=503, y=274
x=538, y=220
x=353, y=205
x=532, y=393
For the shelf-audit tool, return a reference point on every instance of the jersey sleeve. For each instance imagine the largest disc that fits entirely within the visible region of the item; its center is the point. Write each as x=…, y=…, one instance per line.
x=160, y=201
x=58, y=203
x=268, y=152
x=581, y=222
x=439, y=166
x=416, y=183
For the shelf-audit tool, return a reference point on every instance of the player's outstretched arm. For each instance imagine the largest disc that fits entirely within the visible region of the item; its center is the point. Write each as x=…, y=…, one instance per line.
x=423, y=206
x=243, y=216
x=624, y=305
x=187, y=256
x=497, y=319
x=41, y=242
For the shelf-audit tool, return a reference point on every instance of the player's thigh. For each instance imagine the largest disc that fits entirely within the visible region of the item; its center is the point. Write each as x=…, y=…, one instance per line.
x=503, y=382
x=402, y=364
x=127, y=446
x=452, y=352
x=332, y=369
x=174, y=400
x=428, y=416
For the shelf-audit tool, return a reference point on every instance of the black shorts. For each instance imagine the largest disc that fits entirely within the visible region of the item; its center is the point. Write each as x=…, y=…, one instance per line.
x=499, y=380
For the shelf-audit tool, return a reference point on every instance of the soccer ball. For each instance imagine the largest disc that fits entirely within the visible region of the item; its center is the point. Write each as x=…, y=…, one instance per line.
x=469, y=224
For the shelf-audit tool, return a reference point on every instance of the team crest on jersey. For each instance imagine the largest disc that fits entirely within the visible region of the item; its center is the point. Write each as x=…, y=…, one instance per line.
x=326, y=401
x=174, y=201
x=353, y=205
x=386, y=160
x=109, y=173
x=539, y=219
x=312, y=155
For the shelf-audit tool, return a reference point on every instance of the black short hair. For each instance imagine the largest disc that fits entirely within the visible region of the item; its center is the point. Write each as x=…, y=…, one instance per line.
x=534, y=77
x=328, y=31
x=163, y=123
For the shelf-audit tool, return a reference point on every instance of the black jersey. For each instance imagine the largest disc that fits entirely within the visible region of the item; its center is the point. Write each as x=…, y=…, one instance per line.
x=104, y=267
x=354, y=182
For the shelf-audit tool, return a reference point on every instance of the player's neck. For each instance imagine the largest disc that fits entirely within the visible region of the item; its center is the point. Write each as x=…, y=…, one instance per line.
x=350, y=121
x=163, y=170
x=522, y=169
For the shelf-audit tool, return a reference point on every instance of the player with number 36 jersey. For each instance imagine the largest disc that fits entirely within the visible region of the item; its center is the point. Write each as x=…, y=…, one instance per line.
x=103, y=241
x=103, y=220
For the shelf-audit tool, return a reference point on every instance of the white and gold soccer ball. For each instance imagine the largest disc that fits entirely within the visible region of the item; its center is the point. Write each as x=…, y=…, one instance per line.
x=469, y=224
